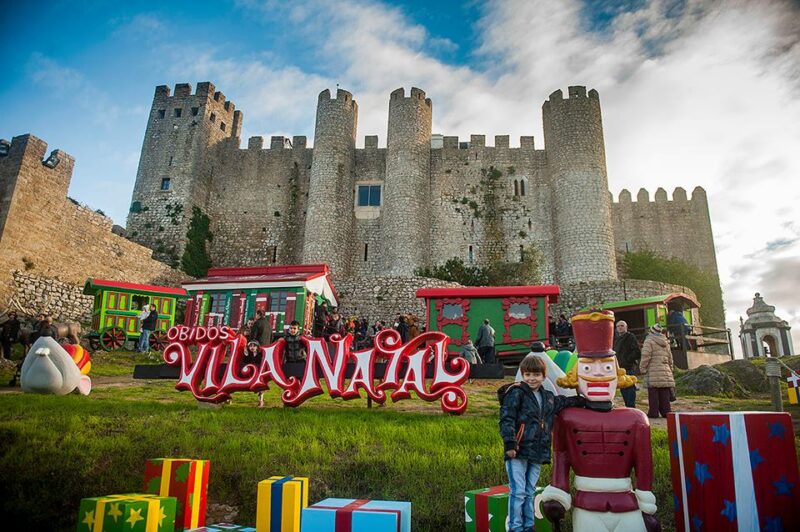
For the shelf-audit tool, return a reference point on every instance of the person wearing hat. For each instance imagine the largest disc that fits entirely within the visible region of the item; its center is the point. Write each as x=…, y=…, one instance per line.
x=252, y=356
x=656, y=367
x=601, y=444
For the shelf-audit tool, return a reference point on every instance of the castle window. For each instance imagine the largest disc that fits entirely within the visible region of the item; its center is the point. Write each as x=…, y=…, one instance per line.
x=471, y=255
x=212, y=117
x=516, y=187
x=178, y=112
x=195, y=110
x=366, y=247
x=162, y=113
x=165, y=183
x=222, y=126
x=369, y=196
x=530, y=225
x=522, y=187
x=521, y=253
x=274, y=254
x=170, y=161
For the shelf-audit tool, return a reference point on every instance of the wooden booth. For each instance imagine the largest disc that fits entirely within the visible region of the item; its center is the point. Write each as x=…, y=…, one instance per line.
x=518, y=315
x=115, y=315
x=231, y=296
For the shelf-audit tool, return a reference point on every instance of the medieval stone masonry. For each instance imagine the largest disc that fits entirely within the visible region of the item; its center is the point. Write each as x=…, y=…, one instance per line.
x=421, y=200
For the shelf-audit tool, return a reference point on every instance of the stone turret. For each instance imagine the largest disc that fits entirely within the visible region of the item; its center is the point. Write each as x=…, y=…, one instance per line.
x=174, y=168
x=583, y=234
x=406, y=196
x=329, y=217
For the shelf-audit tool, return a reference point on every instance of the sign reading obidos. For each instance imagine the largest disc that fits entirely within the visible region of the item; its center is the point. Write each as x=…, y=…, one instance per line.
x=406, y=367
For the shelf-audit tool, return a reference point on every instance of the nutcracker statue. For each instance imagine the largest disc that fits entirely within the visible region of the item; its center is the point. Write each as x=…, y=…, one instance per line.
x=601, y=444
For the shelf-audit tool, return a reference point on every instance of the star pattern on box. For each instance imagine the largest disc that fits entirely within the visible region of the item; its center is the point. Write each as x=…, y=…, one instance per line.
x=729, y=511
x=701, y=472
x=755, y=458
x=134, y=517
x=721, y=434
x=684, y=432
x=674, y=447
x=182, y=472
x=88, y=519
x=776, y=430
x=783, y=486
x=697, y=523
x=115, y=512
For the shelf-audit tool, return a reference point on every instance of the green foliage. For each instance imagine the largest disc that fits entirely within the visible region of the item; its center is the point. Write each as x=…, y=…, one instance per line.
x=29, y=264
x=196, y=260
x=136, y=206
x=100, y=212
x=174, y=212
x=525, y=272
x=277, y=214
x=511, y=170
x=650, y=266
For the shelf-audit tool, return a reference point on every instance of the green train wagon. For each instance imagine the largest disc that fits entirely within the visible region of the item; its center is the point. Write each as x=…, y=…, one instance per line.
x=115, y=313
x=518, y=315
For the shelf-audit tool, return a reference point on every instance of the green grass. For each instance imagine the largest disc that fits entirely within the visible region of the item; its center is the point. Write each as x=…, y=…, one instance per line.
x=56, y=450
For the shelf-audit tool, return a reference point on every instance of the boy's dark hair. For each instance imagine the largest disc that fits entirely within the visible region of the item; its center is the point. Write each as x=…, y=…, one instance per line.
x=533, y=364
x=295, y=323
x=260, y=313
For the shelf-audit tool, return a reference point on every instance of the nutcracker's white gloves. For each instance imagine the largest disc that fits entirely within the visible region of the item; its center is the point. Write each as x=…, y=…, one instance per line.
x=647, y=501
x=552, y=493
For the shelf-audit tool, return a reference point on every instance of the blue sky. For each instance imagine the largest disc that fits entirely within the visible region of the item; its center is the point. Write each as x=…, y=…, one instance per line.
x=694, y=92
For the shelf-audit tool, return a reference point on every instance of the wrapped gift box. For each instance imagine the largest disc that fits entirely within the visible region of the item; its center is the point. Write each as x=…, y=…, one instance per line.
x=486, y=510
x=223, y=527
x=351, y=515
x=734, y=471
x=186, y=480
x=280, y=501
x=131, y=512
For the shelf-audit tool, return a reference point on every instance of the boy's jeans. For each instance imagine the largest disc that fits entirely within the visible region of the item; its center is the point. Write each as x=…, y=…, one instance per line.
x=522, y=478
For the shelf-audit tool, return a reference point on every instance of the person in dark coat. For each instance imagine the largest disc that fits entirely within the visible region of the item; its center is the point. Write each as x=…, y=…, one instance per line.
x=679, y=328
x=261, y=332
x=526, y=423
x=626, y=346
x=295, y=349
x=402, y=328
x=46, y=328
x=9, y=334
x=253, y=356
x=485, y=342
x=335, y=325
x=320, y=319
x=148, y=326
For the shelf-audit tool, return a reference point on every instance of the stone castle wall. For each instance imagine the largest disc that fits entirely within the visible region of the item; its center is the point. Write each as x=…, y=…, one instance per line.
x=46, y=235
x=680, y=227
x=64, y=301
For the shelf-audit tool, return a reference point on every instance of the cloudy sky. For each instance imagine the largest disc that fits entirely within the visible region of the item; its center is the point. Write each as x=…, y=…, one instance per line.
x=694, y=92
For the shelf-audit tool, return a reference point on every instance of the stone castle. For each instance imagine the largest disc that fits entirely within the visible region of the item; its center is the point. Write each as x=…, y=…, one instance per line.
x=421, y=200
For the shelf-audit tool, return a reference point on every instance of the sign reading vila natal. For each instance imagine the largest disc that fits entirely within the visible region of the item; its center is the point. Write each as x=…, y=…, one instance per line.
x=406, y=368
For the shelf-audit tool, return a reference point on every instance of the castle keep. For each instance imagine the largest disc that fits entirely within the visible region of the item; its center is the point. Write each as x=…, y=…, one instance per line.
x=423, y=199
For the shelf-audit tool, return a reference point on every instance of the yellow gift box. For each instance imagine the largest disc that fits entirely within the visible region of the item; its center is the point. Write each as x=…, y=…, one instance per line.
x=280, y=503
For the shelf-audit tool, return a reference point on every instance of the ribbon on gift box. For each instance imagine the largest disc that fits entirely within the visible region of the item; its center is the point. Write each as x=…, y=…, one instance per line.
x=482, y=507
x=280, y=501
x=344, y=514
x=197, y=482
x=153, y=506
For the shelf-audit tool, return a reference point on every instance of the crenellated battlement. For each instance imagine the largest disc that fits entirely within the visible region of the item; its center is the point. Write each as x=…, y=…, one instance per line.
x=575, y=92
x=277, y=142
x=678, y=196
x=343, y=97
x=453, y=142
x=398, y=95
x=165, y=103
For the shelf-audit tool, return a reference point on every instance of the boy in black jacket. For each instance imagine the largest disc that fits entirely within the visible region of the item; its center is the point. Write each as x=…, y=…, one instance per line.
x=526, y=422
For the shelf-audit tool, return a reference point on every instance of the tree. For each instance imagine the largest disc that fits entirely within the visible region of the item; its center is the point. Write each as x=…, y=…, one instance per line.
x=524, y=272
x=195, y=260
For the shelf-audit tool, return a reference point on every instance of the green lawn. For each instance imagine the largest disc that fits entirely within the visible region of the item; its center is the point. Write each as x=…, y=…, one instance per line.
x=56, y=450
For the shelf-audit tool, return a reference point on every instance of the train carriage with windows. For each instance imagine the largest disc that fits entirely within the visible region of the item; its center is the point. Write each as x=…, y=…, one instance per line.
x=518, y=315
x=115, y=314
x=231, y=296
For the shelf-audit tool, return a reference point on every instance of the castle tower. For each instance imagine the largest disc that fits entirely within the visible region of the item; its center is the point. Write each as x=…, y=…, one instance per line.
x=406, y=194
x=576, y=159
x=174, y=168
x=329, y=217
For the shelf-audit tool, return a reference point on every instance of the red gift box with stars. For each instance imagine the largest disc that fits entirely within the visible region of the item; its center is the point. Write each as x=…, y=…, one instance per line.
x=734, y=471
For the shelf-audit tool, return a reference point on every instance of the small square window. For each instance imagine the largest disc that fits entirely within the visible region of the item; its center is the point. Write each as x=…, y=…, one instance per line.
x=369, y=195
x=162, y=113
x=178, y=112
x=195, y=110
x=222, y=126
x=165, y=183
x=212, y=117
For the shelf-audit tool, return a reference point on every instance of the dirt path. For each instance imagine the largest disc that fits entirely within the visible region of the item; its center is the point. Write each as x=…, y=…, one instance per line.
x=119, y=381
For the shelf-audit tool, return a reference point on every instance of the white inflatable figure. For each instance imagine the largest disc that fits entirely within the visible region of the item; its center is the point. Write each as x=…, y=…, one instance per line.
x=553, y=374
x=48, y=368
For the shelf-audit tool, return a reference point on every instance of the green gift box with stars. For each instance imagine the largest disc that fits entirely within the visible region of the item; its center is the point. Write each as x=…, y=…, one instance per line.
x=130, y=512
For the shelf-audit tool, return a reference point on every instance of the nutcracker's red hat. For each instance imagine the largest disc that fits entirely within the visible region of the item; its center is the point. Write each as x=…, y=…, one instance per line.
x=594, y=333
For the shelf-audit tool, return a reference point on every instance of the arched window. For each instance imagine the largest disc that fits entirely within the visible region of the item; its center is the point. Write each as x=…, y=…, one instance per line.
x=471, y=255
x=521, y=187
x=521, y=253
x=516, y=187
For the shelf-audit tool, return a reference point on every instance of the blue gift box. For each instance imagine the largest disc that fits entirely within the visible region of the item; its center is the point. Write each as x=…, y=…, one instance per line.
x=352, y=515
